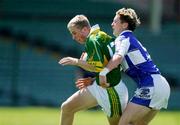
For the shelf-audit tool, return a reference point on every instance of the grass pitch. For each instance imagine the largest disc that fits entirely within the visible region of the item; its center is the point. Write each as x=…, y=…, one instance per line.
x=50, y=116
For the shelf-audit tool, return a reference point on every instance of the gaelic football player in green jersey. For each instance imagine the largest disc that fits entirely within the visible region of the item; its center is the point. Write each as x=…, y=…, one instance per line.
x=99, y=47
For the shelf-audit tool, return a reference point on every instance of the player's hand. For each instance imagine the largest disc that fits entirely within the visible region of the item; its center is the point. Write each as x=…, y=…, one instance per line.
x=103, y=81
x=84, y=82
x=68, y=61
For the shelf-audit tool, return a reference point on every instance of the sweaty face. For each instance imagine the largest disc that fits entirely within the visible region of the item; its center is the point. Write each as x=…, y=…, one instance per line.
x=118, y=26
x=78, y=35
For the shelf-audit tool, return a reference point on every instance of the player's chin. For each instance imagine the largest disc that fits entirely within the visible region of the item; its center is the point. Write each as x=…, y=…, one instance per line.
x=115, y=33
x=81, y=42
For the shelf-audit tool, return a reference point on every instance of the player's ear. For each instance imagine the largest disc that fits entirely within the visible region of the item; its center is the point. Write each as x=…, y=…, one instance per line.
x=85, y=29
x=125, y=25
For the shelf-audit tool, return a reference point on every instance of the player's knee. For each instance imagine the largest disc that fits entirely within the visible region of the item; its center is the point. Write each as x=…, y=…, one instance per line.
x=133, y=122
x=66, y=107
x=126, y=121
x=141, y=123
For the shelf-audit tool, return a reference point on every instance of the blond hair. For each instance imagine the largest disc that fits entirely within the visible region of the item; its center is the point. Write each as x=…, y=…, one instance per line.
x=129, y=15
x=79, y=21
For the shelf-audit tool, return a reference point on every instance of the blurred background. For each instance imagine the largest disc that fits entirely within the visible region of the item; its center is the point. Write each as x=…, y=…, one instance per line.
x=33, y=37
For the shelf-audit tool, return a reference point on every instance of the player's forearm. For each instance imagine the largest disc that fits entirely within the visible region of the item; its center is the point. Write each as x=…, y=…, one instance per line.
x=83, y=64
x=114, y=62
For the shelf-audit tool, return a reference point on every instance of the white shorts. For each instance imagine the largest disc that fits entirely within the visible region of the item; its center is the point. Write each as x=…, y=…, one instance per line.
x=113, y=100
x=155, y=97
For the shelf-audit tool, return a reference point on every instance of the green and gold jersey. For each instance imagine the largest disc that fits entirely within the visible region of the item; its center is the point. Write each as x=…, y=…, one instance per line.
x=100, y=48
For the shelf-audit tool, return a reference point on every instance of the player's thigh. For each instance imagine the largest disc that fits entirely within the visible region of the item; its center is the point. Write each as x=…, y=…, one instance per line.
x=113, y=120
x=82, y=99
x=134, y=113
x=147, y=118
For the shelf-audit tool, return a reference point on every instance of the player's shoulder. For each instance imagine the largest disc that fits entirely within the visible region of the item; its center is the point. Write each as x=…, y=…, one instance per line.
x=102, y=34
x=121, y=37
x=91, y=38
x=103, y=37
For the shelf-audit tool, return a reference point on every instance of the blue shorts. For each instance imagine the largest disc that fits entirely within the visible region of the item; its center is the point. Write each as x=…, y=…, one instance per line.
x=153, y=97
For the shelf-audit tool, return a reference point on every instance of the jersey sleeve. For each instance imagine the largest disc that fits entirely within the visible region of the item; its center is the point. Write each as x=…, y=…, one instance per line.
x=122, y=46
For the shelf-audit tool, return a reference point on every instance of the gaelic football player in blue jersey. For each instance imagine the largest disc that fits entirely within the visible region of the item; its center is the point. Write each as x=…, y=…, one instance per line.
x=153, y=90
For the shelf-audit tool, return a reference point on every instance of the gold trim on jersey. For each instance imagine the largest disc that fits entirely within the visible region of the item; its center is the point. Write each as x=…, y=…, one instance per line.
x=98, y=64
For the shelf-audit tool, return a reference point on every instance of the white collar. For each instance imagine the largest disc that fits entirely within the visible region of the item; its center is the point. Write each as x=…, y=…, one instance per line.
x=94, y=28
x=124, y=32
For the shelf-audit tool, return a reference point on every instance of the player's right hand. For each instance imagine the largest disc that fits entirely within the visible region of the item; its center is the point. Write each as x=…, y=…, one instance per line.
x=68, y=61
x=84, y=82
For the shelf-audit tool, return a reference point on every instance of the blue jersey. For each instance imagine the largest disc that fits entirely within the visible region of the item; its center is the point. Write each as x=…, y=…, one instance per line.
x=137, y=62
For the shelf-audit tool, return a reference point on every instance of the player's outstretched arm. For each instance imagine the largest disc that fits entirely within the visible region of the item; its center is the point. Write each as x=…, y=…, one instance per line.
x=68, y=61
x=77, y=62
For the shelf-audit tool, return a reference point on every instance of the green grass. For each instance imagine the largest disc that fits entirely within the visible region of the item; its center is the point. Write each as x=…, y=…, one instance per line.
x=50, y=116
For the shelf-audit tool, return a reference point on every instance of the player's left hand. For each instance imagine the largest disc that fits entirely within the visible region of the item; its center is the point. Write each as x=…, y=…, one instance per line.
x=68, y=61
x=103, y=81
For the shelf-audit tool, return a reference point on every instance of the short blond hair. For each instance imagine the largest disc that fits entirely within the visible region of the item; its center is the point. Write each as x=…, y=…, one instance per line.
x=79, y=21
x=129, y=15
